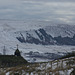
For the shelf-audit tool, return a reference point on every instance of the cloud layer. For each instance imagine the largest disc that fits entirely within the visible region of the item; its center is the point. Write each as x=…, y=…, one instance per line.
x=50, y=10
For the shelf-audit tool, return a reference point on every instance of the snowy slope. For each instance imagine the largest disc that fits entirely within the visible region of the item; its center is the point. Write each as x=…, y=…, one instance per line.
x=61, y=30
x=10, y=30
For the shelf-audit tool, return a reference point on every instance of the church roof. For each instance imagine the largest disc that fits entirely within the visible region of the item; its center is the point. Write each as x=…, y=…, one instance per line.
x=11, y=60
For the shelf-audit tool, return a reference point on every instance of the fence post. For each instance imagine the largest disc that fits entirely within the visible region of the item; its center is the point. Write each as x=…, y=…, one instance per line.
x=45, y=68
x=51, y=64
x=57, y=63
x=62, y=64
x=57, y=66
x=51, y=67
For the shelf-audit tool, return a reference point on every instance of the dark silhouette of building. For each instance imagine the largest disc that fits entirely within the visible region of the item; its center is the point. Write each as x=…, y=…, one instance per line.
x=17, y=52
x=12, y=60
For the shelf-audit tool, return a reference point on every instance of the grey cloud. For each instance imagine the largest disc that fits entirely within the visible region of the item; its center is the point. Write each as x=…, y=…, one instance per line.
x=53, y=10
x=51, y=0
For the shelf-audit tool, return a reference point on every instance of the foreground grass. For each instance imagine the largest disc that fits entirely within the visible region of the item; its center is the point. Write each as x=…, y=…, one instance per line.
x=43, y=68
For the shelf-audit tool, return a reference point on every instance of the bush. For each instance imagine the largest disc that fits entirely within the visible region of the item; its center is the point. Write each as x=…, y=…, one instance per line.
x=16, y=73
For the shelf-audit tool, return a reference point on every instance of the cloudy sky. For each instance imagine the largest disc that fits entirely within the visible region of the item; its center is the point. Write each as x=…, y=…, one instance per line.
x=46, y=10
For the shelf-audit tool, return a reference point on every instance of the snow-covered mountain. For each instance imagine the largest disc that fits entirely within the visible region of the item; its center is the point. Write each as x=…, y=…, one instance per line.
x=62, y=30
x=36, y=36
x=48, y=35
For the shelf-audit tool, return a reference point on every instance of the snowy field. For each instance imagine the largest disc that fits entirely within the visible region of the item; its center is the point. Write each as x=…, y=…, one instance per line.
x=26, y=48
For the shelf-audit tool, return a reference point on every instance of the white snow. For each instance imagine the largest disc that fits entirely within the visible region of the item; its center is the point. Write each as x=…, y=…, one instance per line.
x=61, y=30
x=9, y=30
x=7, y=73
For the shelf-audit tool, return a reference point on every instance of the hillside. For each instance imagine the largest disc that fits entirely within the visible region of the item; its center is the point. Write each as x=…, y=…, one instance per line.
x=45, y=39
x=57, y=67
x=36, y=32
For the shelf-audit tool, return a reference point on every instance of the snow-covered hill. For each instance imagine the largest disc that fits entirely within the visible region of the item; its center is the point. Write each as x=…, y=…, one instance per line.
x=48, y=35
x=34, y=35
x=63, y=30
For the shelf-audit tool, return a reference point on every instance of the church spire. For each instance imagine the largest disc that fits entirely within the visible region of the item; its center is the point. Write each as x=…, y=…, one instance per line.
x=17, y=46
x=17, y=52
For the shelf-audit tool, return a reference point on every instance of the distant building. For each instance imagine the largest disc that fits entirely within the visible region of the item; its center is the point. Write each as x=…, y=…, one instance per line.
x=12, y=60
x=17, y=52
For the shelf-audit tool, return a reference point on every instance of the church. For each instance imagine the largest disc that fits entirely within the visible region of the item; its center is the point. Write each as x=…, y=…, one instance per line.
x=12, y=60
